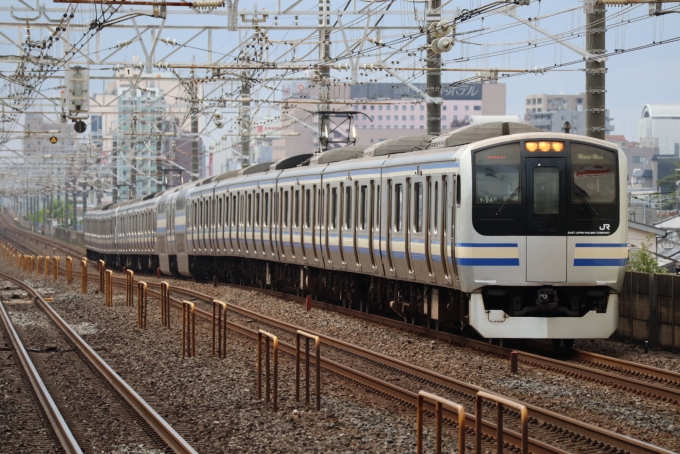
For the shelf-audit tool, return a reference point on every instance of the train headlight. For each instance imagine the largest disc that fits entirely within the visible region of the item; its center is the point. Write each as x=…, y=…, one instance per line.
x=544, y=146
x=557, y=146
x=531, y=146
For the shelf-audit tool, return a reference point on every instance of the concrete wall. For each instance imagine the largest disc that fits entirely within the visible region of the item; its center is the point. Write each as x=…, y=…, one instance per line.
x=649, y=310
x=71, y=236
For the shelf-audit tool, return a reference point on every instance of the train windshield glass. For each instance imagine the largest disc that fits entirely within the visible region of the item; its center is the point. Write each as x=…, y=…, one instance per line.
x=498, y=175
x=594, y=174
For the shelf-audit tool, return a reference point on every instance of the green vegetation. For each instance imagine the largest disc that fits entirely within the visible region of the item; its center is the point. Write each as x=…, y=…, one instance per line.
x=643, y=261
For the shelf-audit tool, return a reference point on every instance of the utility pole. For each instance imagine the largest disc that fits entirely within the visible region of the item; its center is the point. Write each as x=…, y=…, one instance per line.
x=133, y=177
x=324, y=75
x=434, y=74
x=595, y=70
x=159, y=152
x=74, y=194
x=193, y=92
x=85, y=194
x=245, y=119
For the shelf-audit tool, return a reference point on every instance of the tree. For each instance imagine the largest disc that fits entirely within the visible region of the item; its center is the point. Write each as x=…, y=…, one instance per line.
x=643, y=261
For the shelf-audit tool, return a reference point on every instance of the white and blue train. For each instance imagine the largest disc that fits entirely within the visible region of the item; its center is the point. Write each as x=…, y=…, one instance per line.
x=514, y=232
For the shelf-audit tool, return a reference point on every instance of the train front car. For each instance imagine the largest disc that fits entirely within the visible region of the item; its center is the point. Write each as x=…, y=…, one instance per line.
x=544, y=249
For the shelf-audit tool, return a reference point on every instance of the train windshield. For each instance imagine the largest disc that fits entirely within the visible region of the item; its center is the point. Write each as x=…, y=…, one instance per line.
x=594, y=174
x=498, y=175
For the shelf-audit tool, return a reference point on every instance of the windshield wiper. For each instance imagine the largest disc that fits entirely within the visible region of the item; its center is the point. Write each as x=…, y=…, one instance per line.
x=579, y=191
x=500, y=210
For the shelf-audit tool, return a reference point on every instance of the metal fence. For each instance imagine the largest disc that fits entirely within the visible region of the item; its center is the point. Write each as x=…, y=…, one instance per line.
x=649, y=310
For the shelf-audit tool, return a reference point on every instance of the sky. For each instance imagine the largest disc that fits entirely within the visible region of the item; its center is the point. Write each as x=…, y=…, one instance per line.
x=633, y=80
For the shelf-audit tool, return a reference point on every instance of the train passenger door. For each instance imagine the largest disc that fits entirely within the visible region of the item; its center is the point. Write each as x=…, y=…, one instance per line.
x=546, y=220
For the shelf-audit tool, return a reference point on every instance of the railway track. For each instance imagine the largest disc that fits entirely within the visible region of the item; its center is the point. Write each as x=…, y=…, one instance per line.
x=550, y=431
x=633, y=377
x=109, y=395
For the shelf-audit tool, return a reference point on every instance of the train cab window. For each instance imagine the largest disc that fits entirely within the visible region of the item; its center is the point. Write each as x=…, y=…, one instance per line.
x=398, y=204
x=418, y=207
x=266, y=209
x=348, y=207
x=334, y=208
x=285, y=208
x=308, y=208
x=363, y=207
x=297, y=208
x=497, y=174
x=593, y=174
x=546, y=190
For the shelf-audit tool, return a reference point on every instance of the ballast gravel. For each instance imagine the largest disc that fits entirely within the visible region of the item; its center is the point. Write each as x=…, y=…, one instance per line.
x=213, y=402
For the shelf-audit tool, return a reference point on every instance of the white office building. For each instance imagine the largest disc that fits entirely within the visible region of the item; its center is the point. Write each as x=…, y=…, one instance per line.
x=660, y=126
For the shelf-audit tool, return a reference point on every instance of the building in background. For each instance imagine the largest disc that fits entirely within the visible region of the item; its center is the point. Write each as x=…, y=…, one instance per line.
x=660, y=126
x=551, y=112
x=383, y=111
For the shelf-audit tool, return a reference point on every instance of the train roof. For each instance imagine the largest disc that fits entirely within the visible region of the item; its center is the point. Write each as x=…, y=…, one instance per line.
x=403, y=144
x=475, y=133
x=339, y=154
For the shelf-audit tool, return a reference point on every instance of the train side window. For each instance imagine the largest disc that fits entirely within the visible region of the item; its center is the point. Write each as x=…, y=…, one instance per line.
x=418, y=208
x=257, y=209
x=266, y=209
x=233, y=210
x=297, y=208
x=285, y=208
x=377, y=208
x=308, y=208
x=436, y=206
x=398, y=205
x=334, y=208
x=226, y=210
x=249, y=218
x=348, y=207
x=363, y=202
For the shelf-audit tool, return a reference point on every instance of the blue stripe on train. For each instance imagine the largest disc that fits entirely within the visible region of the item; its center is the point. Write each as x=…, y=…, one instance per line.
x=488, y=262
x=600, y=262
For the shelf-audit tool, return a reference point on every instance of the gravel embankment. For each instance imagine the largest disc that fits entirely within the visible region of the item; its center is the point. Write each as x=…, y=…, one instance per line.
x=643, y=418
x=215, y=400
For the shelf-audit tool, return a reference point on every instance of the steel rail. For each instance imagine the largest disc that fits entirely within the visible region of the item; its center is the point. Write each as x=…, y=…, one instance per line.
x=159, y=425
x=627, y=367
x=569, y=424
x=566, y=367
x=569, y=368
x=61, y=428
x=381, y=386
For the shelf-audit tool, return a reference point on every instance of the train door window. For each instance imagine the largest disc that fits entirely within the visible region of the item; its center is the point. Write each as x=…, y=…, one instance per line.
x=348, y=207
x=436, y=206
x=266, y=209
x=334, y=208
x=418, y=207
x=546, y=190
x=242, y=210
x=398, y=205
x=458, y=190
x=363, y=208
x=322, y=194
x=213, y=211
x=219, y=212
x=297, y=208
x=308, y=208
x=226, y=210
x=249, y=219
x=285, y=208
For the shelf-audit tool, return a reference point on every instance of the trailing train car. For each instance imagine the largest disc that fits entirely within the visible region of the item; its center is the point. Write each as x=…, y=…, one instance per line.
x=512, y=231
